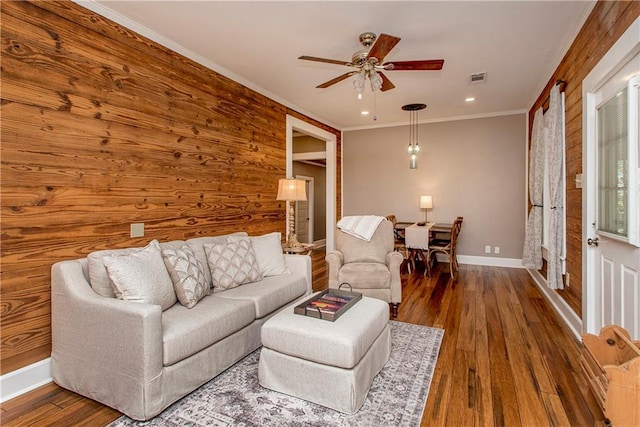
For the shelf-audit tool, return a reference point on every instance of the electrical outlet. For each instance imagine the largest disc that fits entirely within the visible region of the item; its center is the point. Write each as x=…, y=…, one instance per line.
x=487, y=249
x=137, y=230
x=496, y=250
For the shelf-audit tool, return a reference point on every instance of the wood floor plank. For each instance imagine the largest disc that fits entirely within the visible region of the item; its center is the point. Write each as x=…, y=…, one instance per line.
x=501, y=339
x=462, y=398
x=484, y=396
x=505, y=406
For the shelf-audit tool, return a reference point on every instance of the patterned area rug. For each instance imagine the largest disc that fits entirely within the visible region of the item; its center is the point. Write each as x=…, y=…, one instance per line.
x=397, y=396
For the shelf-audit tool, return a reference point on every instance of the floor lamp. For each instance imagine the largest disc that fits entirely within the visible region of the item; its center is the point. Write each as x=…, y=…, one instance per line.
x=292, y=190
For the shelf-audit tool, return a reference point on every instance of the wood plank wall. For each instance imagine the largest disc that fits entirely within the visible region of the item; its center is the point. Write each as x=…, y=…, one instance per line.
x=606, y=23
x=102, y=128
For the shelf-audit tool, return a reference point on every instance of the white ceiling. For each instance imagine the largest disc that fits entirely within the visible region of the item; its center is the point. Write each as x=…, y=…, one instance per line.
x=518, y=43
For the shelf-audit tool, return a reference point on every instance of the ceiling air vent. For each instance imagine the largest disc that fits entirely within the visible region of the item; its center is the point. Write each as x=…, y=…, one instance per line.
x=477, y=78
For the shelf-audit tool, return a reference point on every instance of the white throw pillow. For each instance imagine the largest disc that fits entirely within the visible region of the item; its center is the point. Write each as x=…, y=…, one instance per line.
x=187, y=274
x=268, y=250
x=142, y=277
x=232, y=264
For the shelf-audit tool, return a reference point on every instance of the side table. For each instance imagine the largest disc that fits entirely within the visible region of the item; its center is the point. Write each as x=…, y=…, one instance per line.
x=303, y=249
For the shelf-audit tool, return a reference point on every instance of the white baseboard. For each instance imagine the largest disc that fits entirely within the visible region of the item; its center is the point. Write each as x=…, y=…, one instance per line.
x=567, y=314
x=486, y=260
x=320, y=243
x=38, y=374
x=25, y=379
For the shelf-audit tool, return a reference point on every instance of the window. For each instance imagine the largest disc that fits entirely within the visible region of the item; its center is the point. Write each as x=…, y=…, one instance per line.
x=617, y=139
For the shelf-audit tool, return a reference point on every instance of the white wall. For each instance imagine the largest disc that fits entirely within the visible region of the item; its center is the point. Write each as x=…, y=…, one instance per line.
x=473, y=168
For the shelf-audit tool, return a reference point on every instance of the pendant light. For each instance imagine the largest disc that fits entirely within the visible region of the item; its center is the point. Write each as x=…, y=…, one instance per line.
x=414, y=146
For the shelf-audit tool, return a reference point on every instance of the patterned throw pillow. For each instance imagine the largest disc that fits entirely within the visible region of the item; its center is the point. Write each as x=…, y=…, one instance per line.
x=142, y=277
x=187, y=275
x=268, y=250
x=232, y=264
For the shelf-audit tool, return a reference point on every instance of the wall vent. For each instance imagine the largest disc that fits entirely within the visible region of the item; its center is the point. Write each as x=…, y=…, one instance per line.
x=477, y=78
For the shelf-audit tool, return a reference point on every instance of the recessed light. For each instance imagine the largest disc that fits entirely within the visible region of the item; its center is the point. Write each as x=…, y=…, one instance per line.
x=364, y=113
x=470, y=99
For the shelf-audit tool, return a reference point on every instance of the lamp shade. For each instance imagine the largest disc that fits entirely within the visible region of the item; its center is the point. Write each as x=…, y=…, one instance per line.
x=291, y=189
x=426, y=202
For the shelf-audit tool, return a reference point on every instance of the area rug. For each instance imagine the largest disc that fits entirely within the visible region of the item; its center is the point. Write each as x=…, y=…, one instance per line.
x=234, y=398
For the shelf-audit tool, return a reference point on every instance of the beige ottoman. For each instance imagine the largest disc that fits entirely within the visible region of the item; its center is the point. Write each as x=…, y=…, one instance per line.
x=329, y=363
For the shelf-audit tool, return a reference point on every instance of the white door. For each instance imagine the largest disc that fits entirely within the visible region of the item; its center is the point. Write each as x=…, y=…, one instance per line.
x=304, y=213
x=611, y=236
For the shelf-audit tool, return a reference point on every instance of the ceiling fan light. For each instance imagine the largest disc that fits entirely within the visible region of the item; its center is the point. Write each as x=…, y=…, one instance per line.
x=358, y=84
x=376, y=81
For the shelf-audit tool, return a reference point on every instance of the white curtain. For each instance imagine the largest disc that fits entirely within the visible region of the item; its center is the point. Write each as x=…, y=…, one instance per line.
x=532, y=252
x=554, y=119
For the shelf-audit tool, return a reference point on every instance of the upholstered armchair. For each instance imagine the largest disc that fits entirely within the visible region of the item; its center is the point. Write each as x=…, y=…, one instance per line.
x=372, y=268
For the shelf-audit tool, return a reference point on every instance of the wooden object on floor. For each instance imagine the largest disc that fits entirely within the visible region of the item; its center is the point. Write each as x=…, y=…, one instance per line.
x=611, y=365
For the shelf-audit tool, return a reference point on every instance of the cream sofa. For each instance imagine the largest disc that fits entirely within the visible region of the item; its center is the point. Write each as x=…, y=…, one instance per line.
x=139, y=359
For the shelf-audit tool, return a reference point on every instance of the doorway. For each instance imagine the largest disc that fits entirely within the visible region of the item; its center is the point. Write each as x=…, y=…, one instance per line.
x=330, y=146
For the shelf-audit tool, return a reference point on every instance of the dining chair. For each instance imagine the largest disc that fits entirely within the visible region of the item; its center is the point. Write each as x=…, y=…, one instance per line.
x=448, y=246
x=399, y=242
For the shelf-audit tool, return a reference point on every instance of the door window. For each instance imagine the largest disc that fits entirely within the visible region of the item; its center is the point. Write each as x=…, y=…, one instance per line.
x=613, y=165
x=617, y=145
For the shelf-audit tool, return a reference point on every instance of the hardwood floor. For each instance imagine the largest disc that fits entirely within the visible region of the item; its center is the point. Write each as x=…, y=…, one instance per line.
x=506, y=358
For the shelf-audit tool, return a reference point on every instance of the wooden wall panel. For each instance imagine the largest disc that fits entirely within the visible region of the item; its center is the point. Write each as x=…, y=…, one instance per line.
x=606, y=23
x=102, y=128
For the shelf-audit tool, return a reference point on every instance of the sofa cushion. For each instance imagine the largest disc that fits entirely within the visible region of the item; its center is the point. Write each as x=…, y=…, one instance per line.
x=187, y=331
x=141, y=276
x=365, y=275
x=197, y=244
x=232, y=264
x=268, y=250
x=270, y=293
x=187, y=275
x=98, y=275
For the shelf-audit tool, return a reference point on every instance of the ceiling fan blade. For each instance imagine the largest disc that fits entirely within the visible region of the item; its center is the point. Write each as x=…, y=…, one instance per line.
x=429, y=64
x=383, y=45
x=329, y=61
x=386, y=83
x=336, y=80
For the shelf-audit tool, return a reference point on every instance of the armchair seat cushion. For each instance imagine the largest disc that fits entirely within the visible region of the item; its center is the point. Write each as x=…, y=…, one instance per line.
x=365, y=275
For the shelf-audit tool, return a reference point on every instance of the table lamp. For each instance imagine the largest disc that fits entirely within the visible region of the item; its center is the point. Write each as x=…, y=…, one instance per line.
x=291, y=190
x=426, y=203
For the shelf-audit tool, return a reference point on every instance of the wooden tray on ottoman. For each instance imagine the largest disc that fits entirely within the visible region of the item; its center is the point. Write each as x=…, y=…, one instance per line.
x=328, y=305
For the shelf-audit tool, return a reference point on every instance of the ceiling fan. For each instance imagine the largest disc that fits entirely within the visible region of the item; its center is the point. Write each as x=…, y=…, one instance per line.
x=369, y=62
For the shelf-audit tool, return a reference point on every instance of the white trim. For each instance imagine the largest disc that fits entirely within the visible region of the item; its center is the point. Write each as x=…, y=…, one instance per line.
x=561, y=307
x=312, y=155
x=23, y=380
x=440, y=120
x=320, y=243
x=488, y=261
x=331, y=144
